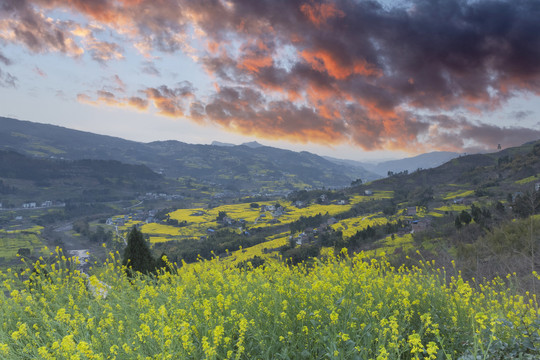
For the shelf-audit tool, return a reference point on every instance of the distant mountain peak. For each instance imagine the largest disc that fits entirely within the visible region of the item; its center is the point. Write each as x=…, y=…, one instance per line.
x=253, y=144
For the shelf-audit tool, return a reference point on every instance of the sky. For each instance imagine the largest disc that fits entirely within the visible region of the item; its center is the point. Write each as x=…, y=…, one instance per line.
x=355, y=79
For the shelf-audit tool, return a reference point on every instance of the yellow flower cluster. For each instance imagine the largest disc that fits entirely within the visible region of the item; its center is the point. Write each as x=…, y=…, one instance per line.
x=340, y=308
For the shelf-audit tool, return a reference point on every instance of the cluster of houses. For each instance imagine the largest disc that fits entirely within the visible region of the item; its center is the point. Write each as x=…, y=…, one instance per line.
x=35, y=205
x=323, y=199
x=44, y=204
x=308, y=235
x=275, y=210
x=227, y=221
x=159, y=196
x=146, y=216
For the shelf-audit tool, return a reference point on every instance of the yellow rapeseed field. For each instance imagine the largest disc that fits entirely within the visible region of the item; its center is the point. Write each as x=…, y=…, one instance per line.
x=338, y=308
x=200, y=219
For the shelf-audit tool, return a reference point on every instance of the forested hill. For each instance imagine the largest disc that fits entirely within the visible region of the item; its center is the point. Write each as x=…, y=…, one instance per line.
x=17, y=166
x=236, y=167
x=24, y=179
x=480, y=171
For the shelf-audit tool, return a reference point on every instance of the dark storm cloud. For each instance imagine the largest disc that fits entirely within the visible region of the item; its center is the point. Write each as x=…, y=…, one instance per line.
x=431, y=56
x=324, y=71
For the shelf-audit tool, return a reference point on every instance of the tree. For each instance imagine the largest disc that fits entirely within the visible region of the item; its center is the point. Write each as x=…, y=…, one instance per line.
x=476, y=213
x=527, y=204
x=221, y=215
x=356, y=182
x=82, y=227
x=465, y=217
x=137, y=254
x=458, y=223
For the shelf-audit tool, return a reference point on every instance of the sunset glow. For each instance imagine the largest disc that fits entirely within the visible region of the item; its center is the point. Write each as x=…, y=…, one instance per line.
x=367, y=76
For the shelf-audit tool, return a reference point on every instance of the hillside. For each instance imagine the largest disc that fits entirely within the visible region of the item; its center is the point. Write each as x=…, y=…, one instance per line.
x=397, y=215
x=338, y=308
x=42, y=179
x=245, y=167
x=492, y=173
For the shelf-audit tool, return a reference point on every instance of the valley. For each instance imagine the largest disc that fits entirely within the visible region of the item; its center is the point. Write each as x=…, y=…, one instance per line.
x=402, y=216
x=403, y=254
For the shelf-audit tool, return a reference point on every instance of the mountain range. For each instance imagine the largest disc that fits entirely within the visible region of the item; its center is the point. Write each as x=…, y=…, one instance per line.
x=249, y=166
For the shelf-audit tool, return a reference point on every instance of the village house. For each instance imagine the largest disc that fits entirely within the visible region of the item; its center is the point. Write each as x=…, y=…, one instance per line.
x=303, y=238
x=420, y=225
x=307, y=236
x=368, y=192
x=30, y=205
x=227, y=221
x=411, y=210
x=536, y=187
